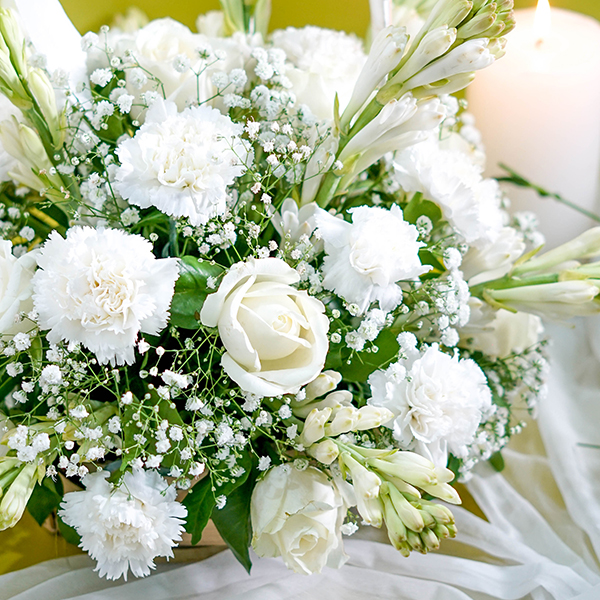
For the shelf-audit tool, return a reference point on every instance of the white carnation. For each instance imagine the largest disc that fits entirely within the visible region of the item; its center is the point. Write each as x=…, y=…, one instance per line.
x=127, y=527
x=366, y=258
x=326, y=63
x=182, y=163
x=437, y=406
x=101, y=288
x=449, y=178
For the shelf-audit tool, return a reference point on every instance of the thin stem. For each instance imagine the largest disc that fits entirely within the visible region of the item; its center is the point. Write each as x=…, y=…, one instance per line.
x=519, y=180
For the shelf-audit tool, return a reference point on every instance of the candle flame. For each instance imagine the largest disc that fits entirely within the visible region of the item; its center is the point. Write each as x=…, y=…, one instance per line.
x=542, y=23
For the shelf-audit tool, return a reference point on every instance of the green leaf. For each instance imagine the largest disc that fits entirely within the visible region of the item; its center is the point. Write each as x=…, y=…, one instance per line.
x=233, y=522
x=362, y=364
x=191, y=290
x=497, y=461
x=201, y=500
x=130, y=428
x=70, y=535
x=44, y=500
x=199, y=503
x=36, y=352
x=418, y=207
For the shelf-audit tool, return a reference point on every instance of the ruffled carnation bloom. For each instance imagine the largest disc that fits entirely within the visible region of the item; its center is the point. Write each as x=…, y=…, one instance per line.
x=125, y=528
x=438, y=403
x=275, y=336
x=297, y=515
x=182, y=163
x=367, y=257
x=326, y=63
x=449, y=178
x=15, y=289
x=100, y=288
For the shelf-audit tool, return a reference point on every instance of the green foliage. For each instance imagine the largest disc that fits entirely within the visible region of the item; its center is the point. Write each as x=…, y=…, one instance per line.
x=68, y=533
x=233, y=522
x=201, y=500
x=191, y=290
x=199, y=503
x=418, y=207
x=357, y=367
x=497, y=461
x=45, y=499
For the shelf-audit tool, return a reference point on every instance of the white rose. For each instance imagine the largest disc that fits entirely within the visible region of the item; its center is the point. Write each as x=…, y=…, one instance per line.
x=297, y=515
x=15, y=288
x=163, y=42
x=158, y=45
x=274, y=334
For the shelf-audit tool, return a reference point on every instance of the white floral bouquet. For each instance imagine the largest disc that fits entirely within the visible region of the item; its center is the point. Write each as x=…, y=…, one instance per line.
x=260, y=279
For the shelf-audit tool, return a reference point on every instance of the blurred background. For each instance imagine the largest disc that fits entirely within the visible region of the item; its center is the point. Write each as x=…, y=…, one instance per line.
x=350, y=15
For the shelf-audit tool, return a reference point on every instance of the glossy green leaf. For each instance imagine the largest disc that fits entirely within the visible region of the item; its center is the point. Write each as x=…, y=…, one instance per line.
x=201, y=501
x=233, y=522
x=70, y=535
x=362, y=364
x=418, y=207
x=191, y=290
x=44, y=500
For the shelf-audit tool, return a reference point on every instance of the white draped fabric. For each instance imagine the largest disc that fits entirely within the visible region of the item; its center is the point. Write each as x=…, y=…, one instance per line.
x=540, y=541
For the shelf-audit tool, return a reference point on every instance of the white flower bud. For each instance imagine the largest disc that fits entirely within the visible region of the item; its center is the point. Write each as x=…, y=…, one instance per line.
x=559, y=300
x=385, y=54
x=434, y=44
x=335, y=401
x=370, y=417
x=366, y=482
x=325, y=452
x=16, y=497
x=43, y=92
x=585, y=245
x=409, y=515
x=14, y=39
x=470, y=56
x=314, y=426
x=344, y=420
x=324, y=383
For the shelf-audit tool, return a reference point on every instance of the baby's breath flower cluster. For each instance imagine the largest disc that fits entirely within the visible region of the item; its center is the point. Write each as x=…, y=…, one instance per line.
x=262, y=279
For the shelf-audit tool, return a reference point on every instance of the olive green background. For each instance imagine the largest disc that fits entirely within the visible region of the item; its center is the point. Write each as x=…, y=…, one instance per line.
x=350, y=15
x=27, y=544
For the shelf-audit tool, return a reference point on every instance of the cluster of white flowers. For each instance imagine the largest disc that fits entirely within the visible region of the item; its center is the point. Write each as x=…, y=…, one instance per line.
x=262, y=262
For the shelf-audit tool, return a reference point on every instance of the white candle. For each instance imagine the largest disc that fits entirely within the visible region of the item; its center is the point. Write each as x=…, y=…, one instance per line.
x=538, y=109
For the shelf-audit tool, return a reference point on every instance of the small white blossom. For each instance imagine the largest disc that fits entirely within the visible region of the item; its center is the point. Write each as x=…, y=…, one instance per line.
x=101, y=77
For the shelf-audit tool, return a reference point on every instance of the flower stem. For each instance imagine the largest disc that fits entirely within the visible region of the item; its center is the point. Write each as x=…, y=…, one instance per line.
x=519, y=180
